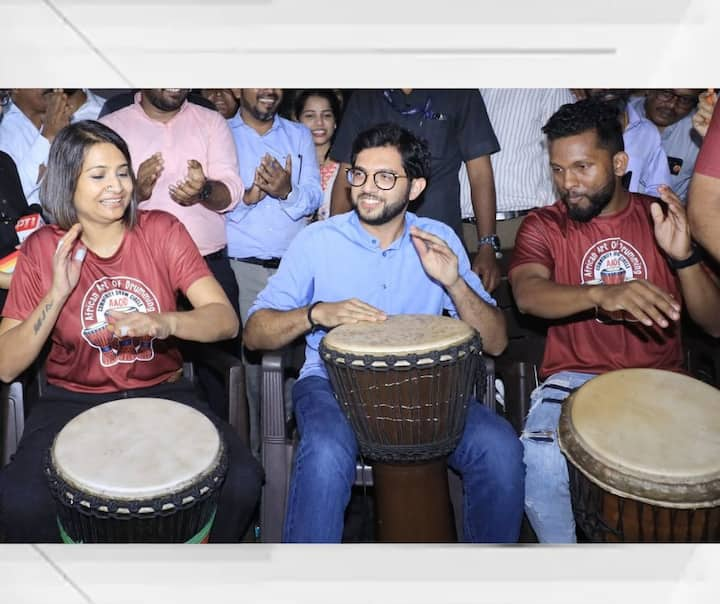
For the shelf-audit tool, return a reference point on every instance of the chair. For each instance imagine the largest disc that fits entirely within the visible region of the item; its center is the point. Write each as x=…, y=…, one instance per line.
x=518, y=366
x=278, y=443
x=18, y=396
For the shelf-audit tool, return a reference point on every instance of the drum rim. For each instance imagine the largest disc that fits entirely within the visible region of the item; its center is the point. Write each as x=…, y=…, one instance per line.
x=645, y=487
x=152, y=493
x=401, y=362
x=422, y=352
x=206, y=485
x=203, y=486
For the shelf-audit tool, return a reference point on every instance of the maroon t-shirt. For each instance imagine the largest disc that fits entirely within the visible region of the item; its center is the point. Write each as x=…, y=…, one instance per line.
x=611, y=249
x=155, y=259
x=708, y=160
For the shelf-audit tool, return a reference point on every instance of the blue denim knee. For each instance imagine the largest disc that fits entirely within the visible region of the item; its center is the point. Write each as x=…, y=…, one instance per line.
x=547, y=489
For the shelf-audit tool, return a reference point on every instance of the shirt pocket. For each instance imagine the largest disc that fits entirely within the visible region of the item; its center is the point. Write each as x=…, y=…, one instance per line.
x=437, y=135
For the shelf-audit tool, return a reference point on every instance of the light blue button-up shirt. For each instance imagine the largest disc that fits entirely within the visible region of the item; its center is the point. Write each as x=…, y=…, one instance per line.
x=647, y=159
x=680, y=141
x=22, y=141
x=265, y=229
x=337, y=259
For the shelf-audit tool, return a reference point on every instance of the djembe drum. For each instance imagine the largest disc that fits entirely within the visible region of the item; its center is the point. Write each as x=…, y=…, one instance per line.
x=643, y=447
x=404, y=385
x=137, y=470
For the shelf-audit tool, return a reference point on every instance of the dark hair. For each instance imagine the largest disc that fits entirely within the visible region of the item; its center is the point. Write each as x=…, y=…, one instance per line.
x=67, y=155
x=414, y=151
x=585, y=115
x=331, y=96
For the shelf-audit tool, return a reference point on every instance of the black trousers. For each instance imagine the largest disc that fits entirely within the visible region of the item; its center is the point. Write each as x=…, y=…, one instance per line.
x=211, y=383
x=27, y=510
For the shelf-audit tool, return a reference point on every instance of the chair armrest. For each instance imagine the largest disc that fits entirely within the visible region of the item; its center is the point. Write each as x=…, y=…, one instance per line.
x=233, y=372
x=486, y=382
x=276, y=450
x=272, y=395
x=12, y=419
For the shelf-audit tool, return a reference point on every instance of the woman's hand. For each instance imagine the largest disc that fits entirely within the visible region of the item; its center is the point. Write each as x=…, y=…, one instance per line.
x=67, y=263
x=138, y=324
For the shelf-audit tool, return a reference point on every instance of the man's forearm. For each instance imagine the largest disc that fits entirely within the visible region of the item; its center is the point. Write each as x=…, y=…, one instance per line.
x=482, y=194
x=485, y=318
x=702, y=297
x=543, y=298
x=269, y=329
x=704, y=212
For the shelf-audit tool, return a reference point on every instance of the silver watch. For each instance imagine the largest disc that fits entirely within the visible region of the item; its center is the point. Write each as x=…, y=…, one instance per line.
x=492, y=240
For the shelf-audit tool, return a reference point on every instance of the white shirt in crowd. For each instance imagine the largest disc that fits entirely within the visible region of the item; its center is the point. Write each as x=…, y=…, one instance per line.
x=22, y=141
x=521, y=167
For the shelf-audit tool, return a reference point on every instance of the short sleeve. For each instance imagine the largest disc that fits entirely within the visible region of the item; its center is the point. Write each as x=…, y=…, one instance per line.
x=531, y=243
x=28, y=285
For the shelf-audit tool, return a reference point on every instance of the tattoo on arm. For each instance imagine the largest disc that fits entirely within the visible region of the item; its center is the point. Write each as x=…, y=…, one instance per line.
x=41, y=320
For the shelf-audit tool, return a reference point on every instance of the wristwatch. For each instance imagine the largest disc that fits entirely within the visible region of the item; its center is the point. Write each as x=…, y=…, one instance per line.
x=492, y=240
x=206, y=191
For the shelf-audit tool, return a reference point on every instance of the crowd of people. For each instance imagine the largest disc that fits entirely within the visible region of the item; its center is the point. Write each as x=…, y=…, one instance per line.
x=254, y=217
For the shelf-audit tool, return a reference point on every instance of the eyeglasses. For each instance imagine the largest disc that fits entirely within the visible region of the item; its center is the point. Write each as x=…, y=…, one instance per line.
x=684, y=101
x=383, y=179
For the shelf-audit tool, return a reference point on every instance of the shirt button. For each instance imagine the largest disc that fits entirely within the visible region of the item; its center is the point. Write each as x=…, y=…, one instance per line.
x=385, y=253
x=384, y=285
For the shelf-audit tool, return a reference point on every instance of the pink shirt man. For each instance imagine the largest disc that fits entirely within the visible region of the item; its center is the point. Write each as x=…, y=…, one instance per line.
x=193, y=133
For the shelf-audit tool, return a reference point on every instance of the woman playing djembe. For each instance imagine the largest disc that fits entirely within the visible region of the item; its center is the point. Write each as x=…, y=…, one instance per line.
x=77, y=279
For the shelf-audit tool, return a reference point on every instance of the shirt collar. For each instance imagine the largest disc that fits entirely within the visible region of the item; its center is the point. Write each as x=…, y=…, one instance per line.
x=364, y=238
x=633, y=115
x=12, y=109
x=237, y=121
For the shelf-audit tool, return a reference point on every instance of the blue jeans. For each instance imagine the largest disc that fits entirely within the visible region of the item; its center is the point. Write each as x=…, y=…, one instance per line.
x=488, y=457
x=547, y=486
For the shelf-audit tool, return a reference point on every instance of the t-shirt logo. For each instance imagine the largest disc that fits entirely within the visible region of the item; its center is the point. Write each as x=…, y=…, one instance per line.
x=612, y=261
x=123, y=294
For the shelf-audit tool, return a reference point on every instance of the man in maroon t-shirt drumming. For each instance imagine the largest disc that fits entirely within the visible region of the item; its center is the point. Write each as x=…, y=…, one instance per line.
x=610, y=268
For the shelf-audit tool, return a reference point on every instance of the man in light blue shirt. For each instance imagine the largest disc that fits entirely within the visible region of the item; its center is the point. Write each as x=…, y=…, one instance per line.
x=647, y=162
x=33, y=119
x=28, y=128
x=671, y=111
x=364, y=265
x=279, y=168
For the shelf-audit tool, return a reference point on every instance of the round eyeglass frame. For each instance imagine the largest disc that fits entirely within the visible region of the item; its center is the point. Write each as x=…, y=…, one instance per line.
x=349, y=177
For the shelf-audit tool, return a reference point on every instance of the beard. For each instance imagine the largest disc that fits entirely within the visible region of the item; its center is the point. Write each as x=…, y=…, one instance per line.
x=162, y=103
x=389, y=210
x=598, y=202
x=263, y=115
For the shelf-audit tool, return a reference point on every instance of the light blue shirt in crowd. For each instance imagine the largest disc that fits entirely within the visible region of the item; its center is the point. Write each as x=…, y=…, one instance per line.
x=337, y=259
x=679, y=140
x=265, y=229
x=648, y=161
x=22, y=141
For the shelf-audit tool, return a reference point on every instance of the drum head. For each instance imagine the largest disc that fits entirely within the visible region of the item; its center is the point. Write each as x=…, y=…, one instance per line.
x=646, y=434
x=136, y=448
x=399, y=335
